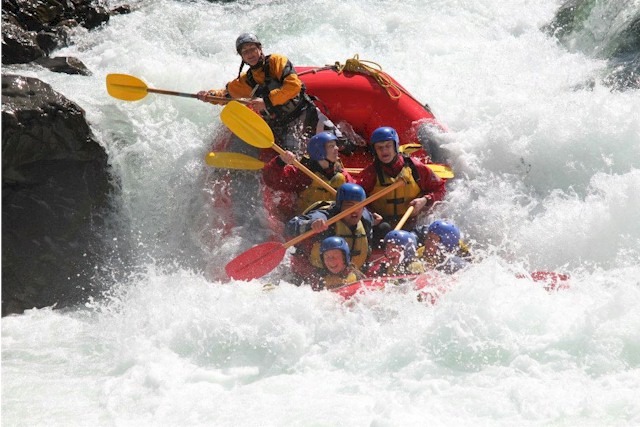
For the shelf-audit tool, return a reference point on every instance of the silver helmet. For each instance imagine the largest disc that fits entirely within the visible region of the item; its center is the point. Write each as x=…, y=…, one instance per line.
x=246, y=38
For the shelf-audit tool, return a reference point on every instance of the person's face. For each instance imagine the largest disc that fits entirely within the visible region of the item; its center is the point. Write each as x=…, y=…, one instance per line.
x=432, y=244
x=250, y=53
x=394, y=253
x=331, y=148
x=334, y=260
x=353, y=218
x=385, y=151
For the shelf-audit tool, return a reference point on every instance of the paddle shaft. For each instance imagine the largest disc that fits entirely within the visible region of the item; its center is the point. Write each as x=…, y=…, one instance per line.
x=443, y=171
x=193, y=95
x=404, y=218
x=344, y=214
x=247, y=125
x=308, y=172
x=170, y=92
x=255, y=164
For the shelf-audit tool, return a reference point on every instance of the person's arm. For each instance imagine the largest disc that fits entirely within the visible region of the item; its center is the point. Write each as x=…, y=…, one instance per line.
x=302, y=223
x=282, y=69
x=208, y=95
x=281, y=176
x=433, y=188
x=239, y=88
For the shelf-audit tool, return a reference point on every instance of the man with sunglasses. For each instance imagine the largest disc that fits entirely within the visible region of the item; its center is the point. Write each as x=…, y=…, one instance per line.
x=276, y=92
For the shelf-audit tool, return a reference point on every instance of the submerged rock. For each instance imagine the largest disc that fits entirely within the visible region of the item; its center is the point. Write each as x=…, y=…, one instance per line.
x=605, y=30
x=56, y=190
x=64, y=64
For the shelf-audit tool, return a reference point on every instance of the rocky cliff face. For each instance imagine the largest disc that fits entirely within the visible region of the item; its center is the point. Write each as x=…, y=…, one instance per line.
x=32, y=29
x=56, y=191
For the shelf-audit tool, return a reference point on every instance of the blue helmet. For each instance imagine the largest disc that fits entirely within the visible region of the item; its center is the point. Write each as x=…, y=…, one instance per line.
x=316, y=145
x=405, y=239
x=449, y=234
x=349, y=192
x=335, y=242
x=384, y=133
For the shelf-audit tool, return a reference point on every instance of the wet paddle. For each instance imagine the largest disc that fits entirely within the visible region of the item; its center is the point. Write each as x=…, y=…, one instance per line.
x=261, y=259
x=443, y=171
x=233, y=161
x=242, y=161
x=249, y=126
x=404, y=218
x=130, y=88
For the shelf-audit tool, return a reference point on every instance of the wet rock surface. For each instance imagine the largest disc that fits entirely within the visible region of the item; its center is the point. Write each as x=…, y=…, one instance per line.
x=56, y=193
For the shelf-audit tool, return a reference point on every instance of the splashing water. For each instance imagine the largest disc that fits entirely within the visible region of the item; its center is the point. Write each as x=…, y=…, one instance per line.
x=548, y=178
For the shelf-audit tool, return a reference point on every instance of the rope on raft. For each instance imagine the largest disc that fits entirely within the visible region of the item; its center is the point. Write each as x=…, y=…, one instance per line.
x=368, y=68
x=373, y=69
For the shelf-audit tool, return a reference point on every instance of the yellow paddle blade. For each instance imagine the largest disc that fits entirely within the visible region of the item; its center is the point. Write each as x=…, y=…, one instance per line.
x=126, y=87
x=443, y=171
x=233, y=161
x=247, y=125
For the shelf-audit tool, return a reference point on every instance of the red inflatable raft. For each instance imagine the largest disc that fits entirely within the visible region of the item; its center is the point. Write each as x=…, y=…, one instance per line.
x=367, y=101
x=430, y=287
x=358, y=98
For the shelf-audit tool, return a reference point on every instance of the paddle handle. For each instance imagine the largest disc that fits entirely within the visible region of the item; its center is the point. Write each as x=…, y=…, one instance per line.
x=193, y=95
x=306, y=170
x=404, y=218
x=376, y=196
x=170, y=92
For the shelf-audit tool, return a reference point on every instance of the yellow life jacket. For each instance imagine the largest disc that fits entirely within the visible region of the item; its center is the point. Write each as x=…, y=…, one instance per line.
x=331, y=281
x=413, y=267
x=431, y=261
x=357, y=241
x=315, y=192
x=394, y=205
x=282, y=112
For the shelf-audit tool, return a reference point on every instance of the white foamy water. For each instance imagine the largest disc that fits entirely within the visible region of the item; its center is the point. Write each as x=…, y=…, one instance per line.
x=548, y=179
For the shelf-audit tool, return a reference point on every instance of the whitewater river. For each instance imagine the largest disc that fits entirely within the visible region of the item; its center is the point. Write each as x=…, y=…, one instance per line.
x=548, y=178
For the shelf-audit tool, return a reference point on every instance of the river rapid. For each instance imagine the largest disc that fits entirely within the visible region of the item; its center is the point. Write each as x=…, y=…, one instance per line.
x=547, y=160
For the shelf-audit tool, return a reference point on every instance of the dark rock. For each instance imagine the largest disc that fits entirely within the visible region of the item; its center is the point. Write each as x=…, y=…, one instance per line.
x=121, y=10
x=50, y=19
x=603, y=30
x=52, y=39
x=19, y=46
x=34, y=15
x=91, y=15
x=56, y=192
x=64, y=64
